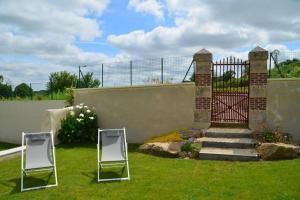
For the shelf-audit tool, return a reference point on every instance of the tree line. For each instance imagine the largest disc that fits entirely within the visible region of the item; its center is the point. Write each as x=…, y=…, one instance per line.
x=58, y=82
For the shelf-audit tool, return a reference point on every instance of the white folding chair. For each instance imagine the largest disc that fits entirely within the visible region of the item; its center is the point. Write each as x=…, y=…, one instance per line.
x=113, y=145
x=39, y=156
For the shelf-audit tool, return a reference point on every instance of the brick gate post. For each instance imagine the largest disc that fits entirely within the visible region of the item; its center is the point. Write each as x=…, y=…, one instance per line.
x=203, y=93
x=258, y=88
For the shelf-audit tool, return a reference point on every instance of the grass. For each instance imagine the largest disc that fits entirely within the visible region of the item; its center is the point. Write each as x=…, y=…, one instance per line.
x=159, y=178
x=39, y=96
x=4, y=146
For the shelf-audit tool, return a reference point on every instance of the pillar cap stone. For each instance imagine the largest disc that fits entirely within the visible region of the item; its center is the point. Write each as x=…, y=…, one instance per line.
x=203, y=55
x=258, y=53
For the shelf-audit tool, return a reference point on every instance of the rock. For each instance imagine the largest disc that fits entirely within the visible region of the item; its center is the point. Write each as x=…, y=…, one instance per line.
x=182, y=154
x=191, y=133
x=276, y=151
x=194, y=154
x=165, y=149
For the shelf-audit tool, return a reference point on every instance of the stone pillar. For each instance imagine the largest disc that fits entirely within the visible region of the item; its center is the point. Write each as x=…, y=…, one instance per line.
x=258, y=88
x=202, y=114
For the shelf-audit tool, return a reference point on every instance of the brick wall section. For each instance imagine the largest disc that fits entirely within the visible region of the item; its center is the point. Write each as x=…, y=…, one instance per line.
x=203, y=80
x=258, y=103
x=258, y=78
x=203, y=103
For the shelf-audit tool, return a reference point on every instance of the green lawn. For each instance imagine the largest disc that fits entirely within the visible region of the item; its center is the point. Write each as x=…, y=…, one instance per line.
x=4, y=146
x=159, y=178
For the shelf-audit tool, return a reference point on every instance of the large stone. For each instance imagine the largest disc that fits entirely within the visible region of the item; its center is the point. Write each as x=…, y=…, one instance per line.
x=165, y=149
x=276, y=151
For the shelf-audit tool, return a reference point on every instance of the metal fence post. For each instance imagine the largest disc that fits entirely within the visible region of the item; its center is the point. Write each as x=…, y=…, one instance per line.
x=162, y=70
x=131, y=73
x=31, y=93
x=51, y=89
x=270, y=64
x=102, y=75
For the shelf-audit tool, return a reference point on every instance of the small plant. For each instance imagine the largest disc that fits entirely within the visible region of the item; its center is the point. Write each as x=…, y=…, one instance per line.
x=269, y=136
x=79, y=126
x=274, y=136
x=190, y=146
x=69, y=95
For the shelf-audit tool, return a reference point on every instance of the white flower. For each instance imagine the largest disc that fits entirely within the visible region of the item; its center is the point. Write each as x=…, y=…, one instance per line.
x=81, y=104
x=92, y=118
x=85, y=106
x=71, y=107
x=77, y=106
x=79, y=120
x=88, y=111
x=81, y=115
x=72, y=113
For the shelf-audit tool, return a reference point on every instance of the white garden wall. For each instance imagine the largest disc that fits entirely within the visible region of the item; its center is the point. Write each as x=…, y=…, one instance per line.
x=27, y=116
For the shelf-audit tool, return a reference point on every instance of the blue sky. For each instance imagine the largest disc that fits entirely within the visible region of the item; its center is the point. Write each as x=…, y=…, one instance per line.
x=38, y=37
x=119, y=19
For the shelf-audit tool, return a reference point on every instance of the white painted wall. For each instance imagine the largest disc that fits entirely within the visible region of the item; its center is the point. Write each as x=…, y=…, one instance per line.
x=27, y=116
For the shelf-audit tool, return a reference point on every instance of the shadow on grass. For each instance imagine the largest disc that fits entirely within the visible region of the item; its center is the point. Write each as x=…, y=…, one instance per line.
x=106, y=174
x=15, y=183
x=131, y=147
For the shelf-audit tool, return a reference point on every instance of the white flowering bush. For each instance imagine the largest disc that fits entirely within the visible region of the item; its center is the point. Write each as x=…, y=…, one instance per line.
x=79, y=126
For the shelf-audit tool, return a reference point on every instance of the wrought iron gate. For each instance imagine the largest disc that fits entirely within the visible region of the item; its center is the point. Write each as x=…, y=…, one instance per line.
x=230, y=91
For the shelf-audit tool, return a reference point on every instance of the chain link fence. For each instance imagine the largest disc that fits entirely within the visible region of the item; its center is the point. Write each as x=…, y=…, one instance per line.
x=145, y=72
x=284, y=64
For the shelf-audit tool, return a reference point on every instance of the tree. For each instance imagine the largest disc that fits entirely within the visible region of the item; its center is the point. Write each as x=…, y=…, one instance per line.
x=228, y=75
x=59, y=81
x=87, y=81
x=5, y=89
x=23, y=90
x=287, y=69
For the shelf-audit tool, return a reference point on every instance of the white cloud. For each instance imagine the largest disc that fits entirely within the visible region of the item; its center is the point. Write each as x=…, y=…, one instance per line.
x=152, y=7
x=46, y=31
x=217, y=25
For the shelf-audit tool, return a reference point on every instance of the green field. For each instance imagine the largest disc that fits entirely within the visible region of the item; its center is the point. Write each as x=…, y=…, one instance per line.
x=158, y=178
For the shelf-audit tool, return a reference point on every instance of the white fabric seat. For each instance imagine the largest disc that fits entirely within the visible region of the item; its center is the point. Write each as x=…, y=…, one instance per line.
x=113, y=145
x=40, y=155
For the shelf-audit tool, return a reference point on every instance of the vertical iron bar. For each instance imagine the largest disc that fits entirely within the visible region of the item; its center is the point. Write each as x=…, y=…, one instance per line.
x=102, y=75
x=131, y=73
x=78, y=85
x=51, y=89
x=162, y=70
x=270, y=61
x=31, y=94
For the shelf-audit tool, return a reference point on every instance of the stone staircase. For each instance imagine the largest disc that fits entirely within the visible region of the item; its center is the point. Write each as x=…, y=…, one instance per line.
x=228, y=144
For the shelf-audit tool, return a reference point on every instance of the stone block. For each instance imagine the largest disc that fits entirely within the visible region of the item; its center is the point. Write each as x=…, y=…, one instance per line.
x=203, y=67
x=257, y=120
x=203, y=91
x=258, y=66
x=258, y=53
x=258, y=91
x=202, y=115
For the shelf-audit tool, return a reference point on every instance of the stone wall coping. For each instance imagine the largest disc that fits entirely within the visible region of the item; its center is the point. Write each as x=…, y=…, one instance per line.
x=137, y=87
x=283, y=79
x=8, y=152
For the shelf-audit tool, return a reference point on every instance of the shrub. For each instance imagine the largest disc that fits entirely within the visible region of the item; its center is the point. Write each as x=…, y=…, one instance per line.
x=79, y=126
x=69, y=95
x=190, y=146
x=23, y=90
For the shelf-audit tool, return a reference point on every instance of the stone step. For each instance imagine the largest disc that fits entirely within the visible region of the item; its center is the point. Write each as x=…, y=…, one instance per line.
x=228, y=133
x=243, y=143
x=208, y=153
